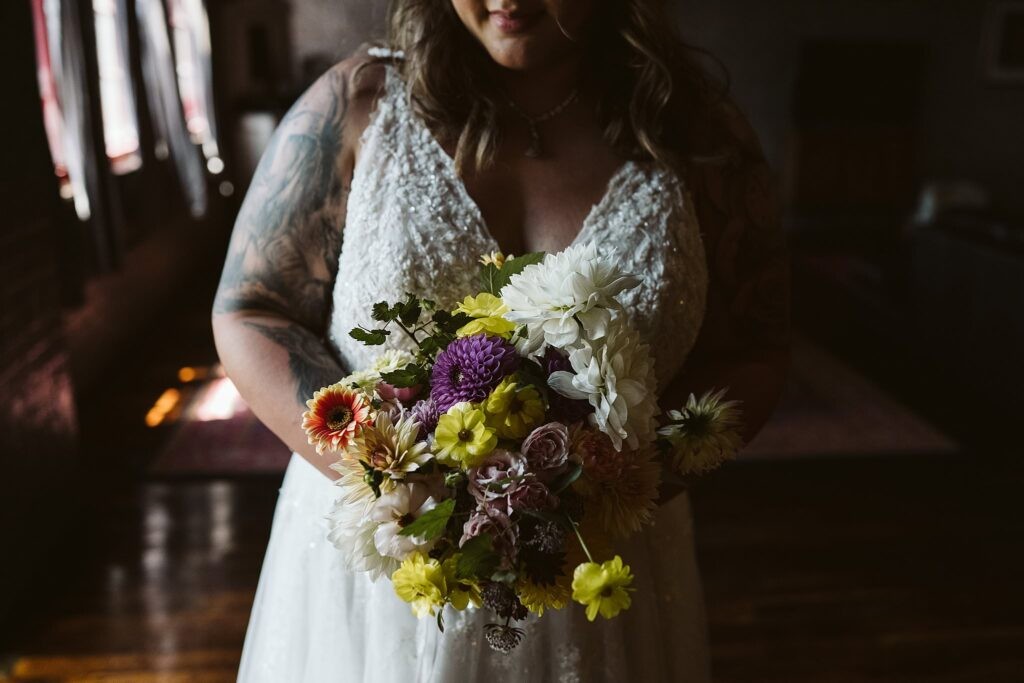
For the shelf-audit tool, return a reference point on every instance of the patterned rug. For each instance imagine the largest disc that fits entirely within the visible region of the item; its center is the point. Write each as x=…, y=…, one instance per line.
x=827, y=409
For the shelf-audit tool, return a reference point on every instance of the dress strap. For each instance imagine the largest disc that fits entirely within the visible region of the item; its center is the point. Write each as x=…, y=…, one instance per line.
x=385, y=52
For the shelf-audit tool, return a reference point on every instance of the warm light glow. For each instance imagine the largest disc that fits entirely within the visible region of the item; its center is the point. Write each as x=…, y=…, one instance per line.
x=187, y=374
x=219, y=401
x=167, y=402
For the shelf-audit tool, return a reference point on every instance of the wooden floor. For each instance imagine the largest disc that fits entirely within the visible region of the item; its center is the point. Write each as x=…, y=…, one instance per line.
x=831, y=571
x=903, y=569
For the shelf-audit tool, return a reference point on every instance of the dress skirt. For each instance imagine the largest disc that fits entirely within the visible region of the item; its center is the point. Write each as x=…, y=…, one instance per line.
x=314, y=621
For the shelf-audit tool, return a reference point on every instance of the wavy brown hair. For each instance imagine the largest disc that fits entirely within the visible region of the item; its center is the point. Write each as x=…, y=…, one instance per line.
x=657, y=99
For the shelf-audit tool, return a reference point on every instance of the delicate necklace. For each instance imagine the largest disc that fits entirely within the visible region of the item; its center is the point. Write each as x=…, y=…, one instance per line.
x=534, y=149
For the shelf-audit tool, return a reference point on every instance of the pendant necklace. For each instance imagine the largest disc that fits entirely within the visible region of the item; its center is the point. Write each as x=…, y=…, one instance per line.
x=533, y=150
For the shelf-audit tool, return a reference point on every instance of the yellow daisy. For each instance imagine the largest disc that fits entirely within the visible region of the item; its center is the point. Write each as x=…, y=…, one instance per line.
x=603, y=588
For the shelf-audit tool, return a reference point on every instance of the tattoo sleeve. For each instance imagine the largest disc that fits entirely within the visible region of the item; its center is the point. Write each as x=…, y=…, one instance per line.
x=283, y=255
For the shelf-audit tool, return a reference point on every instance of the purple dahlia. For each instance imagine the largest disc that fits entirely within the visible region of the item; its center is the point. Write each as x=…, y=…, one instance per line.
x=470, y=368
x=426, y=414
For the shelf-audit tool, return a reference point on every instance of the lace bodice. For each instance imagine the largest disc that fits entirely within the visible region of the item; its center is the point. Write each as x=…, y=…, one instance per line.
x=413, y=227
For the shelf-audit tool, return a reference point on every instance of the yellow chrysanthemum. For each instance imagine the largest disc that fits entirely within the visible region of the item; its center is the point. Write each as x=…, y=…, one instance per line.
x=461, y=592
x=483, y=305
x=538, y=597
x=494, y=325
x=421, y=582
x=462, y=436
x=603, y=588
x=513, y=411
x=487, y=310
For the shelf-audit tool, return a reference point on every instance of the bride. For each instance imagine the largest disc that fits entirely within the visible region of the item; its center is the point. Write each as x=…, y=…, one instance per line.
x=513, y=126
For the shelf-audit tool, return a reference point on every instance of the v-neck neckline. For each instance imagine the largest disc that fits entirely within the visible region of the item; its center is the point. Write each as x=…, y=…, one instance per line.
x=448, y=164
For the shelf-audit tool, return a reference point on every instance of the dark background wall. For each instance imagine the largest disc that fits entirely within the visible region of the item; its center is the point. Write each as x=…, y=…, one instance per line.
x=37, y=413
x=970, y=128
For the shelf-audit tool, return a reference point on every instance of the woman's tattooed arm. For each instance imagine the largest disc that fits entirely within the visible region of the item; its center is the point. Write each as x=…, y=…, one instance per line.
x=272, y=307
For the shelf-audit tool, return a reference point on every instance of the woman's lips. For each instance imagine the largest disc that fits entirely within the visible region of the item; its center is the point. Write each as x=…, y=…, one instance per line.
x=510, y=23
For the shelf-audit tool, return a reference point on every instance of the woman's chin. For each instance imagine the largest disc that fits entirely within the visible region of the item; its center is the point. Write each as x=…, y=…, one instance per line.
x=523, y=54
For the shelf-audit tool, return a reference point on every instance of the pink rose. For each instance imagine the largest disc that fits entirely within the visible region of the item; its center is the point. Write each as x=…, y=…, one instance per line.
x=389, y=392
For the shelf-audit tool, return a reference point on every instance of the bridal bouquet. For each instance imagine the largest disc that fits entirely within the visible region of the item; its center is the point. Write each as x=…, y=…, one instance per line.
x=494, y=463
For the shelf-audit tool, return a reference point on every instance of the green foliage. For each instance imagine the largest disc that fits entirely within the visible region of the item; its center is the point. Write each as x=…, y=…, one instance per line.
x=406, y=312
x=431, y=524
x=409, y=311
x=566, y=479
x=493, y=279
x=369, y=337
x=476, y=558
x=411, y=375
x=449, y=323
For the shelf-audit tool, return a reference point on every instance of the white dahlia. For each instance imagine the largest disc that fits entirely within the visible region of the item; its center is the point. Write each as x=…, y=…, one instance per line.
x=367, y=534
x=351, y=531
x=393, y=512
x=616, y=376
x=553, y=298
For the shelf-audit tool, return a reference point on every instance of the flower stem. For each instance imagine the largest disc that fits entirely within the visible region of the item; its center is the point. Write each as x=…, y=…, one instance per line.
x=409, y=334
x=579, y=537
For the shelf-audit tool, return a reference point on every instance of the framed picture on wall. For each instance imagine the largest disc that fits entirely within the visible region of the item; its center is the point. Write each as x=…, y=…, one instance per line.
x=1002, y=43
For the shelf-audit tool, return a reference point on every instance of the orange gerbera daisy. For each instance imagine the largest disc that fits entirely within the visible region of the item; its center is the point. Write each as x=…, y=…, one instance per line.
x=336, y=415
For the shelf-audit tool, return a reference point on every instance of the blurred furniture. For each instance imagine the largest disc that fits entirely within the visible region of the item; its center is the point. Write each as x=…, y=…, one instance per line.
x=924, y=295
x=966, y=290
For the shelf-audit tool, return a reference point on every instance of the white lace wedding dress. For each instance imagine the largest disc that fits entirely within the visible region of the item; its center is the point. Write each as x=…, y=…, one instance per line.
x=412, y=226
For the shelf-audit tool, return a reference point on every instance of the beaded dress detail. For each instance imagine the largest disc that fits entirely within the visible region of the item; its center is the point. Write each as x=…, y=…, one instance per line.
x=413, y=227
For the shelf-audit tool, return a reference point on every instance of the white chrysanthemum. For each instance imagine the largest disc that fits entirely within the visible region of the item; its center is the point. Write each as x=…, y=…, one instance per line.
x=704, y=434
x=366, y=380
x=553, y=298
x=367, y=533
x=391, y=360
x=616, y=376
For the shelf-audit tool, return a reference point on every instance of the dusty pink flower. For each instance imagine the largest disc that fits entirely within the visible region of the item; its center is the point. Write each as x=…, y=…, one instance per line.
x=547, y=449
x=495, y=523
x=532, y=495
x=497, y=477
